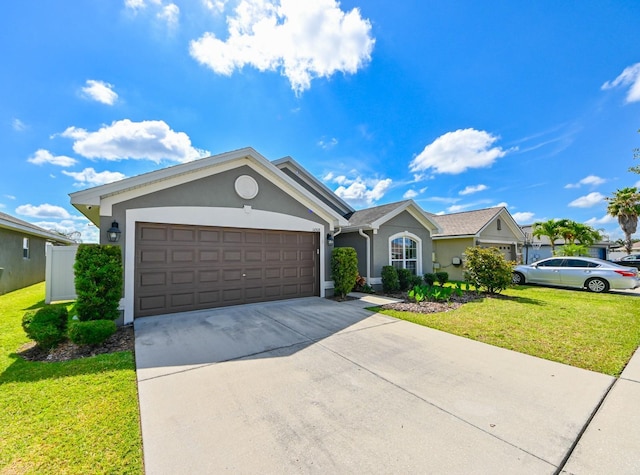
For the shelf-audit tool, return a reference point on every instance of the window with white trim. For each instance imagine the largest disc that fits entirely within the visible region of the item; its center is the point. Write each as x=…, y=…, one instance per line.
x=25, y=248
x=404, y=253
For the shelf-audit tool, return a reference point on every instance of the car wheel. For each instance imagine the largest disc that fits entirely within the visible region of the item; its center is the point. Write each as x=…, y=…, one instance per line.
x=597, y=285
x=517, y=278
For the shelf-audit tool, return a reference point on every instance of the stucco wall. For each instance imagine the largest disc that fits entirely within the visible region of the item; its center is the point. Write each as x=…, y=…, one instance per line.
x=356, y=241
x=446, y=250
x=18, y=271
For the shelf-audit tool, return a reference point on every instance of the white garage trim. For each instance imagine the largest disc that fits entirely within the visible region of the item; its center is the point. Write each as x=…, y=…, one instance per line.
x=203, y=216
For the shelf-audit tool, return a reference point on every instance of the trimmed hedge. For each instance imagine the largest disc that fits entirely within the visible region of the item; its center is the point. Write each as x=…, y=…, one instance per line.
x=47, y=325
x=390, y=281
x=91, y=332
x=98, y=281
x=344, y=269
x=404, y=279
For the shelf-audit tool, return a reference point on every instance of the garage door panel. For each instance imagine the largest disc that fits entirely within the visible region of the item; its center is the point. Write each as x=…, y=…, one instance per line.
x=180, y=268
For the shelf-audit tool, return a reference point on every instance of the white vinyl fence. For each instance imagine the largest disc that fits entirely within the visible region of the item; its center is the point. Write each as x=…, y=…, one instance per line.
x=59, y=277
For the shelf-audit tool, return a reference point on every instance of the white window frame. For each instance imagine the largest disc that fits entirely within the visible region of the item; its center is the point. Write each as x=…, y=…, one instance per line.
x=418, y=241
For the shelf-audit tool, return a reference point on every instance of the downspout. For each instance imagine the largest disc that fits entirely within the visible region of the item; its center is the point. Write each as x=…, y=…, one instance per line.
x=364, y=235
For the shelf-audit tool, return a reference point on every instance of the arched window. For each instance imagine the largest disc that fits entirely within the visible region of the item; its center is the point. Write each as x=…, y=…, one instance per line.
x=405, y=252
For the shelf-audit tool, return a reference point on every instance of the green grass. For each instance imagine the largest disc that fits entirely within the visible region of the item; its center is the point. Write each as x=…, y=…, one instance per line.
x=598, y=332
x=78, y=416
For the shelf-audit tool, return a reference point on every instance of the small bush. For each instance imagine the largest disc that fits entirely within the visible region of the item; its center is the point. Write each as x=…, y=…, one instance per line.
x=98, y=281
x=430, y=278
x=404, y=278
x=415, y=280
x=442, y=278
x=47, y=325
x=487, y=269
x=344, y=269
x=92, y=332
x=390, y=281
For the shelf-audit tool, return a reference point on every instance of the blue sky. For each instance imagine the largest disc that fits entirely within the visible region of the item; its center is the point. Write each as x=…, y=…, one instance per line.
x=459, y=105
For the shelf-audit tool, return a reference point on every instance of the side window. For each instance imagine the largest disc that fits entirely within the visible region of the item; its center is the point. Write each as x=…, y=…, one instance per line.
x=25, y=248
x=551, y=263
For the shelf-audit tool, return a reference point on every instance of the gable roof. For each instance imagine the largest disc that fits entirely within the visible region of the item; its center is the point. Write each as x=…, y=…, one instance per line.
x=373, y=218
x=10, y=222
x=89, y=201
x=296, y=171
x=472, y=223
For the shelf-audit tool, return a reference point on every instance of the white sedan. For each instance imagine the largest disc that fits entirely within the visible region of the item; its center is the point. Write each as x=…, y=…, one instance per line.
x=596, y=275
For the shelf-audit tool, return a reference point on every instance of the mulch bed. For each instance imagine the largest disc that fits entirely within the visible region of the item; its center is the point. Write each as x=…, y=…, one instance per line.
x=432, y=307
x=121, y=340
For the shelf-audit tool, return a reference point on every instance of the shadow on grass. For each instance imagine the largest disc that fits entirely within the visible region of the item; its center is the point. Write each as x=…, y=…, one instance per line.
x=22, y=371
x=36, y=306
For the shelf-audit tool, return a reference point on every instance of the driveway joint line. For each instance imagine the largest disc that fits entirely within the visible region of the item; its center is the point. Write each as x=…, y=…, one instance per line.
x=464, y=421
x=586, y=425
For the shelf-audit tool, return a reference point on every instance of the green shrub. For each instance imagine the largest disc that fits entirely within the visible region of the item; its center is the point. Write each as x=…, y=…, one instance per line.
x=442, y=278
x=344, y=269
x=47, y=325
x=430, y=278
x=98, y=281
x=91, y=332
x=487, y=269
x=404, y=278
x=390, y=281
x=432, y=293
x=415, y=280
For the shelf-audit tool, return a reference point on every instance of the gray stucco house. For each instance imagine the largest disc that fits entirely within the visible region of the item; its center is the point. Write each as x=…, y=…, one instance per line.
x=22, y=252
x=236, y=228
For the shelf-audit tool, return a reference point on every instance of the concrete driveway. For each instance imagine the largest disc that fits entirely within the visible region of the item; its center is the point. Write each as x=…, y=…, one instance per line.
x=316, y=386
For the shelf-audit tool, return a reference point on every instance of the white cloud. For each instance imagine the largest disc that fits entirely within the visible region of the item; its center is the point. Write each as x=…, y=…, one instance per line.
x=44, y=156
x=455, y=152
x=43, y=211
x=472, y=189
x=304, y=39
x=363, y=192
x=89, y=176
x=524, y=217
x=591, y=180
x=410, y=194
x=100, y=91
x=328, y=144
x=588, y=201
x=629, y=77
x=18, y=125
x=606, y=219
x=171, y=14
x=216, y=6
x=327, y=177
x=457, y=208
x=10, y=197
x=135, y=4
x=502, y=204
x=147, y=140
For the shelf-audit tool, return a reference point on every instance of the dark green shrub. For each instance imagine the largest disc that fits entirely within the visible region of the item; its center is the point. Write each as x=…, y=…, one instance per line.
x=47, y=325
x=91, y=332
x=415, y=280
x=390, y=281
x=442, y=278
x=98, y=281
x=344, y=269
x=429, y=278
x=404, y=278
x=487, y=269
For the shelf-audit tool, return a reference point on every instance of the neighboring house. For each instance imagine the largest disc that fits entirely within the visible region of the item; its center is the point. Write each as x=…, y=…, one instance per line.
x=490, y=227
x=22, y=252
x=536, y=248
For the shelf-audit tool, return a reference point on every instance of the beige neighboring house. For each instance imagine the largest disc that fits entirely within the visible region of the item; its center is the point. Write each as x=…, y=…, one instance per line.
x=490, y=227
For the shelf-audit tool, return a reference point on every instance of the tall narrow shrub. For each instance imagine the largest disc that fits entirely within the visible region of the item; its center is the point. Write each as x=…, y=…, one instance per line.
x=344, y=269
x=98, y=281
x=390, y=281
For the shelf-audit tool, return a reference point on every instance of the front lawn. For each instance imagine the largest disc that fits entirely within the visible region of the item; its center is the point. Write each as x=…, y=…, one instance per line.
x=598, y=332
x=77, y=416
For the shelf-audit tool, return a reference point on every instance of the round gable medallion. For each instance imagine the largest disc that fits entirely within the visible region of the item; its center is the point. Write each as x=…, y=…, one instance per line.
x=246, y=187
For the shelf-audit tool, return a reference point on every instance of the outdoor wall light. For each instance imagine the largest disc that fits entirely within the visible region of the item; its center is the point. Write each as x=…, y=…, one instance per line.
x=113, y=233
x=330, y=239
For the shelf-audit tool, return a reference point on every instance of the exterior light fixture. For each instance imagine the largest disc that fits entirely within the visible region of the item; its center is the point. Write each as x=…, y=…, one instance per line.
x=330, y=239
x=113, y=233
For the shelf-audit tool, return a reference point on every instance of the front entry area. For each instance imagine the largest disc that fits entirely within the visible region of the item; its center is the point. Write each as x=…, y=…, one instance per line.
x=181, y=268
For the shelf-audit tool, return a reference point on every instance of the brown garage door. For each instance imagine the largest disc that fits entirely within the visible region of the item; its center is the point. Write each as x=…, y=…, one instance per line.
x=181, y=268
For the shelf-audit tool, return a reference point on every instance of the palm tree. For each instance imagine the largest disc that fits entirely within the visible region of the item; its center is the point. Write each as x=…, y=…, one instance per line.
x=571, y=231
x=625, y=205
x=550, y=229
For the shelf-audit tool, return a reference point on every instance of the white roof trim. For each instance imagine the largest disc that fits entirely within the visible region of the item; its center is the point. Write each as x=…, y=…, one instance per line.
x=34, y=232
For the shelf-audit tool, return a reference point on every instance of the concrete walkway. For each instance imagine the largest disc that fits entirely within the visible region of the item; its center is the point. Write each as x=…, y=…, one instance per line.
x=316, y=386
